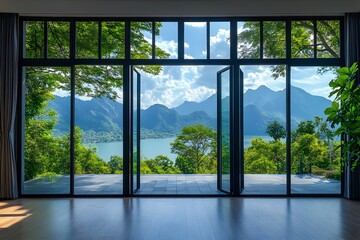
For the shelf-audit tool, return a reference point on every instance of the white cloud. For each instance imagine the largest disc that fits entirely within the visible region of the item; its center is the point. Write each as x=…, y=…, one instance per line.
x=195, y=24
x=61, y=93
x=173, y=86
x=221, y=36
x=256, y=76
x=170, y=47
x=220, y=45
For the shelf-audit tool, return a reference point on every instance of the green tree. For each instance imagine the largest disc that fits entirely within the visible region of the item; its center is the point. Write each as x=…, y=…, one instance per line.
x=185, y=164
x=262, y=165
x=322, y=130
x=265, y=157
x=86, y=159
x=194, y=145
x=116, y=164
x=304, y=127
x=302, y=44
x=275, y=130
x=161, y=165
x=308, y=151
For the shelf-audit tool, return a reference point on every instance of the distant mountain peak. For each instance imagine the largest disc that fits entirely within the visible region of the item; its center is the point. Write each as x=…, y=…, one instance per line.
x=157, y=105
x=263, y=87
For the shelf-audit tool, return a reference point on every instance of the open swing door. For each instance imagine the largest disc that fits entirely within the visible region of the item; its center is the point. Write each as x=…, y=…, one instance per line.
x=229, y=149
x=135, y=130
x=224, y=180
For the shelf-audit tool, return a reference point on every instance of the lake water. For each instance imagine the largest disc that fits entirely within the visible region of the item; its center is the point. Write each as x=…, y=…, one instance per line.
x=149, y=148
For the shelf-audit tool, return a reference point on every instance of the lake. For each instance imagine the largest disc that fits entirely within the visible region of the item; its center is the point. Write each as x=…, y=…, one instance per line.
x=149, y=148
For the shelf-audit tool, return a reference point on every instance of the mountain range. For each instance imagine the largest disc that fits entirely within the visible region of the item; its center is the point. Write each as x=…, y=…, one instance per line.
x=261, y=106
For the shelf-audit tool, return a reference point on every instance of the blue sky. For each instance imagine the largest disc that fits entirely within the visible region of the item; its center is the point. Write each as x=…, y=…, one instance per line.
x=176, y=84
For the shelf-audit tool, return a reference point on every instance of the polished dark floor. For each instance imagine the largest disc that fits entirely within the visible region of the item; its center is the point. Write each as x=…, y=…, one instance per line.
x=170, y=184
x=180, y=218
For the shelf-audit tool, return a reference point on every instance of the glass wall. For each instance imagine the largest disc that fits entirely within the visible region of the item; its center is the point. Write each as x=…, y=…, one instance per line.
x=47, y=130
x=178, y=130
x=89, y=60
x=315, y=164
x=264, y=109
x=98, y=130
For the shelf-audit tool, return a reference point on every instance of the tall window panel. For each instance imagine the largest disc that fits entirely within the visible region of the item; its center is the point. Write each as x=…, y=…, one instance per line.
x=264, y=109
x=98, y=130
x=315, y=159
x=46, y=164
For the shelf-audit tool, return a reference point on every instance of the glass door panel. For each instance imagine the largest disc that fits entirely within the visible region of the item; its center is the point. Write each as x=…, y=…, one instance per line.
x=223, y=125
x=135, y=163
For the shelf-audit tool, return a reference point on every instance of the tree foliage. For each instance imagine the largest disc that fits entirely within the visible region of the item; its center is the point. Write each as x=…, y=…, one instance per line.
x=275, y=130
x=161, y=165
x=344, y=113
x=313, y=151
x=194, y=146
x=302, y=41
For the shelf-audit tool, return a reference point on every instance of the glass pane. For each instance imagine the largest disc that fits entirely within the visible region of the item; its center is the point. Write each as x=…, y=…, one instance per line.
x=141, y=40
x=34, y=40
x=87, y=37
x=315, y=164
x=113, y=40
x=302, y=39
x=328, y=39
x=178, y=130
x=98, y=130
x=47, y=130
x=225, y=131
x=219, y=40
x=195, y=40
x=58, y=39
x=166, y=40
x=274, y=39
x=135, y=130
x=248, y=40
x=264, y=130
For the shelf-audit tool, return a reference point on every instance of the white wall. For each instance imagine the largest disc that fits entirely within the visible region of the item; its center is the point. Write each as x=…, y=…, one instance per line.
x=179, y=7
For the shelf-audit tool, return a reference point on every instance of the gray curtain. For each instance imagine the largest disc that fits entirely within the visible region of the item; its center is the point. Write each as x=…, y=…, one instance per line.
x=352, y=54
x=8, y=97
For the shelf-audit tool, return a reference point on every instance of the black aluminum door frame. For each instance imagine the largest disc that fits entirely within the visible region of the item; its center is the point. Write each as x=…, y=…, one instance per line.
x=219, y=131
x=236, y=131
x=135, y=76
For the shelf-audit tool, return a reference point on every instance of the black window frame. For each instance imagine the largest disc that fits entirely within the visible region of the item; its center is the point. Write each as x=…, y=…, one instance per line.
x=126, y=62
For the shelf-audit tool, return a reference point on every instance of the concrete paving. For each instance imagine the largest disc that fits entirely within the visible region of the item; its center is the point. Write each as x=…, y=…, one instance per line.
x=168, y=184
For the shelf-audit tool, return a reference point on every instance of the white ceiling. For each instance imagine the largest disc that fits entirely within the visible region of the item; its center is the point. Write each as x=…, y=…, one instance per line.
x=179, y=7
